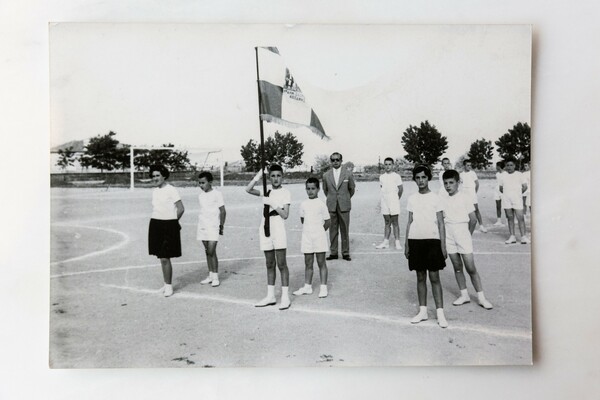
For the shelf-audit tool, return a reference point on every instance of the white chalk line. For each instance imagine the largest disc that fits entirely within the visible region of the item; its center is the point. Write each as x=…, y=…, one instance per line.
x=125, y=239
x=132, y=267
x=515, y=334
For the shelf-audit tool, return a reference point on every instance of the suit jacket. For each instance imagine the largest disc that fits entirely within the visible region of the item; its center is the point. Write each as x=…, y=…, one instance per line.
x=341, y=193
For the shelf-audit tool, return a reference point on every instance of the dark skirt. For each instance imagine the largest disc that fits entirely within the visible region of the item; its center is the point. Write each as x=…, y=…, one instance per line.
x=425, y=255
x=164, y=240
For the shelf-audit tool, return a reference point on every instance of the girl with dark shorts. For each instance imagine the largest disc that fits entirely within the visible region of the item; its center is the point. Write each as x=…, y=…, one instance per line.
x=164, y=239
x=425, y=246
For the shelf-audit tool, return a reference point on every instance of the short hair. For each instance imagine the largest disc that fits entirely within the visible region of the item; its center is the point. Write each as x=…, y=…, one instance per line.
x=275, y=167
x=445, y=158
x=466, y=160
x=451, y=174
x=338, y=154
x=207, y=175
x=389, y=159
x=161, y=169
x=314, y=180
x=500, y=164
x=421, y=168
x=510, y=159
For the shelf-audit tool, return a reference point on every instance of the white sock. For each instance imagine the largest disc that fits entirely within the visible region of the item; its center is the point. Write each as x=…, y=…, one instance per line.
x=441, y=318
x=215, y=276
x=464, y=293
x=270, y=291
x=307, y=286
x=284, y=291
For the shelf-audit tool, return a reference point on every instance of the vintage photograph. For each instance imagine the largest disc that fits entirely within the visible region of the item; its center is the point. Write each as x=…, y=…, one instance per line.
x=239, y=195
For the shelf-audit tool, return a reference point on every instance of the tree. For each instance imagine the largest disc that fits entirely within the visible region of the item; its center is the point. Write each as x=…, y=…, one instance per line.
x=423, y=144
x=480, y=153
x=173, y=160
x=102, y=153
x=322, y=163
x=66, y=157
x=516, y=143
x=458, y=165
x=284, y=150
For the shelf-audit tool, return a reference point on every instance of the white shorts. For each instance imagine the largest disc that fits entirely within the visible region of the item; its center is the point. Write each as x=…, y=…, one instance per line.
x=458, y=239
x=473, y=195
x=314, y=241
x=512, y=200
x=390, y=204
x=209, y=233
x=497, y=194
x=277, y=239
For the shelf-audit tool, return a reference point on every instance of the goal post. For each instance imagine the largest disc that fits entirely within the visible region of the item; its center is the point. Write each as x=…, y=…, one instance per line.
x=200, y=158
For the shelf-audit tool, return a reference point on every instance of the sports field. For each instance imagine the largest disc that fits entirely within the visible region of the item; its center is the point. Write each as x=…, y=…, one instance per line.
x=106, y=311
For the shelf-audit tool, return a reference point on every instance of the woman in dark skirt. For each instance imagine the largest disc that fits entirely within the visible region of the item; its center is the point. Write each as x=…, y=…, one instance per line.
x=425, y=246
x=164, y=240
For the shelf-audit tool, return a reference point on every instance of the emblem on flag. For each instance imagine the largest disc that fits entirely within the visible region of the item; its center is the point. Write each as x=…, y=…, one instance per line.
x=281, y=100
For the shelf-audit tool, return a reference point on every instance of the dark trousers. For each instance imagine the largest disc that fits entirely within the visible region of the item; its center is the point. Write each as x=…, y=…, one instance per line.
x=340, y=221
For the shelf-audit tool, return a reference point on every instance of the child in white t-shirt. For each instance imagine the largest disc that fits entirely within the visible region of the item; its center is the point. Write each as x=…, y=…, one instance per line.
x=460, y=221
x=391, y=192
x=273, y=243
x=512, y=187
x=211, y=219
x=425, y=245
x=497, y=194
x=470, y=186
x=315, y=219
x=527, y=194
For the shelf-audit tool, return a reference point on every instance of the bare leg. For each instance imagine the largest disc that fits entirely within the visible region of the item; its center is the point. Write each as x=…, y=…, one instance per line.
x=282, y=265
x=387, y=230
x=167, y=270
x=469, y=262
x=458, y=270
x=478, y=215
x=322, y=268
x=395, y=226
x=270, y=263
x=210, y=248
x=436, y=288
x=422, y=288
x=499, y=209
x=510, y=217
x=308, y=268
x=521, y=221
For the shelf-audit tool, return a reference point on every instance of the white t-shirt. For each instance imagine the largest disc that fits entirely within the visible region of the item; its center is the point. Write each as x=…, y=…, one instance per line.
x=163, y=202
x=527, y=178
x=210, y=202
x=315, y=213
x=279, y=198
x=457, y=208
x=512, y=183
x=498, y=179
x=389, y=183
x=468, y=180
x=424, y=208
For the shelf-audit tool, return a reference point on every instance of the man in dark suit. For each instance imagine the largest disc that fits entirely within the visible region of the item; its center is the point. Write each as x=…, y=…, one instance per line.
x=338, y=186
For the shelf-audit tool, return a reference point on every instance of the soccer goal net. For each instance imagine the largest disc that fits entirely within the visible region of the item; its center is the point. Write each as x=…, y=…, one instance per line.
x=183, y=163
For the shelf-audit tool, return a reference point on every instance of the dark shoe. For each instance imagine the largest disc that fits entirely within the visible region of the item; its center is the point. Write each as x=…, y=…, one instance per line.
x=332, y=257
x=347, y=258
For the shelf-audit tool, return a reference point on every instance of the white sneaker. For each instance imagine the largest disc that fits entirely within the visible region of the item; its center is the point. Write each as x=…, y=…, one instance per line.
x=384, y=245
x=303, y=290
x=285, y=303
x=168, y=291
x=512, y=239
x=267, y=301
x=419, y=317
x=525, y=240
x=485, y=304
x=482, y=229
x=461, y=300
x=398, y=245
x=498, y=223
x=206, y=281
x=323, y=292
x=215, y=283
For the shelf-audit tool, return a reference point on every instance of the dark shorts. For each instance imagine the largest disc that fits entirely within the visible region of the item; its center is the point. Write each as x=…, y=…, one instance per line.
x=425, y=255
x=164, y=240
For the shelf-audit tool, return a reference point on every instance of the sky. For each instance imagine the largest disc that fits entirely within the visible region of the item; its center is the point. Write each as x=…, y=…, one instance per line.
x=195, y=86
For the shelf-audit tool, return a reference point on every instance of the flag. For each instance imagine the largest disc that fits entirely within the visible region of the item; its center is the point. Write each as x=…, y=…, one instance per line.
x=281, y=100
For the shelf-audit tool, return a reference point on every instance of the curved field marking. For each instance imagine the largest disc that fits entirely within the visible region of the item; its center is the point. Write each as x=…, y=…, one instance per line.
x=514, y=334
x=131, y=267
x=124, y=240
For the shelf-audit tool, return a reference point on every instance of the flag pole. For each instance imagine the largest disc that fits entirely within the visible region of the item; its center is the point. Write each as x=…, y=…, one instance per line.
x=262, y=150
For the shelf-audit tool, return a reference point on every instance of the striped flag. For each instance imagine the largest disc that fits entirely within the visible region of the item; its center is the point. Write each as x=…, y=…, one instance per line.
x=281, y=99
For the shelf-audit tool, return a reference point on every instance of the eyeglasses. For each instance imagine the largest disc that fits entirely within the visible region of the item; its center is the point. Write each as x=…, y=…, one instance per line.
x=336, y=159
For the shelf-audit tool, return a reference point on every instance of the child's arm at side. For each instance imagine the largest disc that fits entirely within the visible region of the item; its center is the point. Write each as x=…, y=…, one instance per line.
x=472, y=222
x=442, y=229
x=222, y=216
x=410, y=220
x=523, y=188
x=250, y=188
x=326, y=224
x=400, y=190
x=180, y=208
